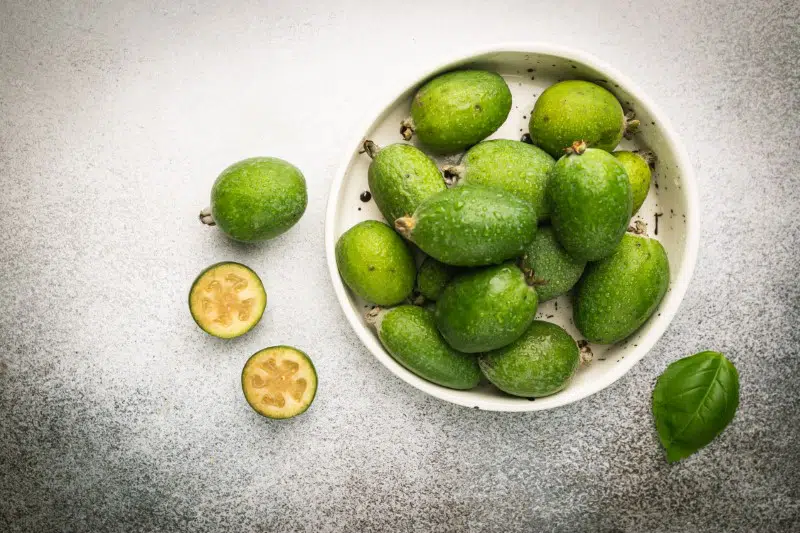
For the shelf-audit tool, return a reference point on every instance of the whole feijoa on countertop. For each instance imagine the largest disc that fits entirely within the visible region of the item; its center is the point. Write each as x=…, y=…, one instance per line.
x=409, y=335
x=279, y=382
x=590, y=200
x=470, y=226
x=485, y=309
x=554, y=271
x=576, y=110
x=516, y=167
x=432, y=277
x=375, y=263
x=617, y=295
x=257, y=199
x=400, y=177
x=539, y=363
x=455, y=110
x=637, y=167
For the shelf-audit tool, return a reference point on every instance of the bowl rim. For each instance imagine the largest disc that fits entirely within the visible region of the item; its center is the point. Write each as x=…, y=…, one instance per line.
x=656, y=327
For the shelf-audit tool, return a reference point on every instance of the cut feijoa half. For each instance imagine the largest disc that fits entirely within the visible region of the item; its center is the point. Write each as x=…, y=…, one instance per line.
x=227, y=300
x=279, y=382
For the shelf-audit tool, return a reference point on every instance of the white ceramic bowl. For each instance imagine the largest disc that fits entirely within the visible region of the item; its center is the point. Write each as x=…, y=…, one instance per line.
x=529, y=68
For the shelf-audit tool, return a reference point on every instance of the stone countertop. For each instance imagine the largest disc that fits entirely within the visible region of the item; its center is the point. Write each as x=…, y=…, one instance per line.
x=118, y=414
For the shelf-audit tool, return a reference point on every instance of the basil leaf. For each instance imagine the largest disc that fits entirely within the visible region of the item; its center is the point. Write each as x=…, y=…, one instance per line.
x=693, y=401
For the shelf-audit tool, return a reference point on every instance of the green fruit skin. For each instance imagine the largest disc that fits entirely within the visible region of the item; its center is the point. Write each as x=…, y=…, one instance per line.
x=514, y=166
x=639, y=175
x=409, y=334
x=590, y=198
x=458, y=109
x=258, y=198
x=617, y=295
x=576, y=110
x=473, y=226
x=400, y=178
x=539, y=363
x=433, y=277
x=376, y=263
x=555, y=271
x=486, y=308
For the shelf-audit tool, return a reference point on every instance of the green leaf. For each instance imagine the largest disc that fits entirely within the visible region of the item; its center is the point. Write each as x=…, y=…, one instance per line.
x=694, y=400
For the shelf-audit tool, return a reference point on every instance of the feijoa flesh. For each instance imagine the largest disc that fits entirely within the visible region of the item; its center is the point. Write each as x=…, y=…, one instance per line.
x=279, y=382
x=227, y=300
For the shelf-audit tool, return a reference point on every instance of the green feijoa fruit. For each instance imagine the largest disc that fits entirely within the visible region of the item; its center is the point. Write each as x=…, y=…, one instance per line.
x=409, y=335
x=227, y=300
x=376, y=263
x=637, y=166
x=400, y=178
x=485, y=309
x=617, y=295
x=554, y=271
x=693, y=401
x=470, y=226
x=453, y=111
x=519, y=168
x=539, y=363
x=432, y=277
x=257, y=199
x=590, y=201
x=576, y=110
x=279, y=382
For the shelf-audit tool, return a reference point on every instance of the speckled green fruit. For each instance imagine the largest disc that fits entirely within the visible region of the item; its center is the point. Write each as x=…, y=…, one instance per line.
x=618, y=294
x=409, y=335
x=637, y=167
x=516, y=167
x=576, y=110
x=486, y=308
x=453, y=111
x=432, y=277
x=470, y=226
x=539, y=363
x=376, y=263
x=400, y=178
x=554, y=270
x=590, y=198
x=258, y=199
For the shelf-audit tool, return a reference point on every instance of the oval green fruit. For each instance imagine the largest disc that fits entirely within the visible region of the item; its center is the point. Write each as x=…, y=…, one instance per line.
x=576, y=110
x=637, y=167
x=486, y=308
x=376, y=263
x=516, y=167
x=539, y=363
x=257, y=199
x=470, y=226
x=432, y=277
x=458, y=109
x=409, y=335
x=590, y=199
x=617, y=295
x=400, y=178
x=554, y=270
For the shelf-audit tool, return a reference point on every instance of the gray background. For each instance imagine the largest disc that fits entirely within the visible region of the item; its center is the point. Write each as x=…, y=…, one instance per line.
x=118, y=414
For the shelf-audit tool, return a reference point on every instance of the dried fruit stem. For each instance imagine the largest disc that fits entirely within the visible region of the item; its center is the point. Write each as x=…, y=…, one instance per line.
x=405, y=225
x=371, y=148
x=586, y=352
x=631, y=125
x=577, y=148
x=452, y=173
x=372, y=315
x=206, y=218
x=407, y=128
x=638, y=228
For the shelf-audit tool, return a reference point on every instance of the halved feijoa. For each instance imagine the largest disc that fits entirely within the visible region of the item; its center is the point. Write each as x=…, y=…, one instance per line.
x=227, y=300
x=279, y=382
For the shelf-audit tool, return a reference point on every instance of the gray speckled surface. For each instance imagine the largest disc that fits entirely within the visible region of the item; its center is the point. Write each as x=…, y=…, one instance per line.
x=118, y=414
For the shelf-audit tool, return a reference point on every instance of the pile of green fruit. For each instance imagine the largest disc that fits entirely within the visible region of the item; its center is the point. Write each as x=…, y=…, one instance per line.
x=512, y=225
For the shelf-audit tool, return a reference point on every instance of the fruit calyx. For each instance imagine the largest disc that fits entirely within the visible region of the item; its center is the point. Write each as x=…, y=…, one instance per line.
x=206, y=218
x=452, y=173
x=372, y=315
x=648, y=156
x=586, y=352
x=370, y=148
x=638, y=227
x=405, y=225
x=407, y=128
x=577, y=148
x=630, y=125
